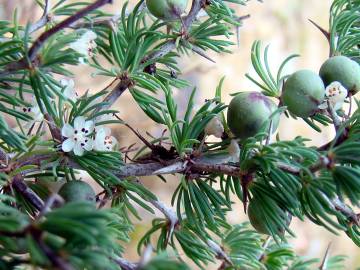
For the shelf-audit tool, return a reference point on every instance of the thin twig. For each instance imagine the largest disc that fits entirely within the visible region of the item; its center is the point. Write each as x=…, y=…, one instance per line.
x=324, y=263
x=54, y=130
x=40, y=41
x=334, y=116
x=322, y=30
x=125, y=264
x=168, y=46
x=170, y=215
x=45, y=18
x=19, y=185
x=220, y=253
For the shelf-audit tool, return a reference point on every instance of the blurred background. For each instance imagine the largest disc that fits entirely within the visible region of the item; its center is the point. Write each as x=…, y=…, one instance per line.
x=283, y=24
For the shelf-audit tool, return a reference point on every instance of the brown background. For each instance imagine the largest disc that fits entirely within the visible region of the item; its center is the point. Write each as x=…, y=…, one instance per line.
x=281, y=23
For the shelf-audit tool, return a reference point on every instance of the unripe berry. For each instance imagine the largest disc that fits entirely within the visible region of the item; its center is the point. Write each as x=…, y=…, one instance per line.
x=77, y=191
x=303, y=92
x=166, y=9
x=343, y=70
x=248, y=112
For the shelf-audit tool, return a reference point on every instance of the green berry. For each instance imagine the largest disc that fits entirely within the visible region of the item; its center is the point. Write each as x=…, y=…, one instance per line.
x=341, y=69
x=303, y=92
x=77, y=191
x=167, y=9
x=248, y=112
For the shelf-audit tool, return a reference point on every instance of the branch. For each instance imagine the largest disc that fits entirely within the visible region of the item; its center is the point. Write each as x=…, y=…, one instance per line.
x=347, y=211
x=160, y=52
x=19, y=185
x=334, y=116
x=45, y=18
x=54, y=130
x=125, y=264
x=57, y=261
x=336, y=203
x=39, y=42
x=176, y=166
x=220, y=253
x=117, y=91
x=169, y=213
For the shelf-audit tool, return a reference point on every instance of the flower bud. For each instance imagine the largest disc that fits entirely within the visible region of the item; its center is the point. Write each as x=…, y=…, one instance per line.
x=336, y=93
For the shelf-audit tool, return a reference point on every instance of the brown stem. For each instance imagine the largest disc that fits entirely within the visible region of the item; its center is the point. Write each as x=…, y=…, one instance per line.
x=168, y=46
x=54, y=130
x=57, y=261
x=39, y=42
x=45, y=18
x=19, y=185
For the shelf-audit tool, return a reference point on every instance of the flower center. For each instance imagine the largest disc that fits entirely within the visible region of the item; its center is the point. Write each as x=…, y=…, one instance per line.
x=80, y=135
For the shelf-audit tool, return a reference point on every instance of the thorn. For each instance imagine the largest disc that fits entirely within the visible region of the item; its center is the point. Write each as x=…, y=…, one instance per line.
x=323, y=265
x=238, y=36
x=322, y=30
x=201, y=53
x=148, y=144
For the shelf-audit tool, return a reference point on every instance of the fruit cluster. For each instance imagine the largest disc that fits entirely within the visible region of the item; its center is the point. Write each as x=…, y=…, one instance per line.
x=304, y=94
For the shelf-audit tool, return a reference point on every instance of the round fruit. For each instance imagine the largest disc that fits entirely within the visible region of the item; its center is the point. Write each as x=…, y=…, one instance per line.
x=303, y=92
x=258, y=220
x=248, y=112
x=166, y=9
x=77, y=191
x=343, y=70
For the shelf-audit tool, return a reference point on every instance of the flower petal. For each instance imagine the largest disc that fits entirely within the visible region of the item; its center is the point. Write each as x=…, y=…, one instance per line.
x=89, y=125
x=80, y=47
x=79, y=122
x=68, y=145
x=88, y=36
x=88, y=146
x=103, y=132
x=114, y=142
x=67, y=131
x=99, y=145
x=78, y=150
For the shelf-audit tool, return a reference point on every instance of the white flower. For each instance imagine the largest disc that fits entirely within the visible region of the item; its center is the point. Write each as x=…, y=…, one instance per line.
x=85, y=45
x=69, y=90
x=77, y=139
x=34, y=112
x=104, y=141
x=336, y=94
x=214, y=127
x=234, y=151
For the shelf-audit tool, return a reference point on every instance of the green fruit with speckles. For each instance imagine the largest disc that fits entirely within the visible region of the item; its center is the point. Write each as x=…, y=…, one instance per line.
x=77, y=191
x=258, y=220
x=303, y=92
x=343, y=70
x=248, y=112
x=167, y=9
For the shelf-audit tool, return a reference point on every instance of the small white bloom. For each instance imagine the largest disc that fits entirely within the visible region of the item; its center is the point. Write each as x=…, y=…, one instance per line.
x=77, y=139
x=214, y=127
x=69, y=90
x=336, y=94
x=85, y=45
x=104, y=141
x=234, y=151
x=35, y=113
